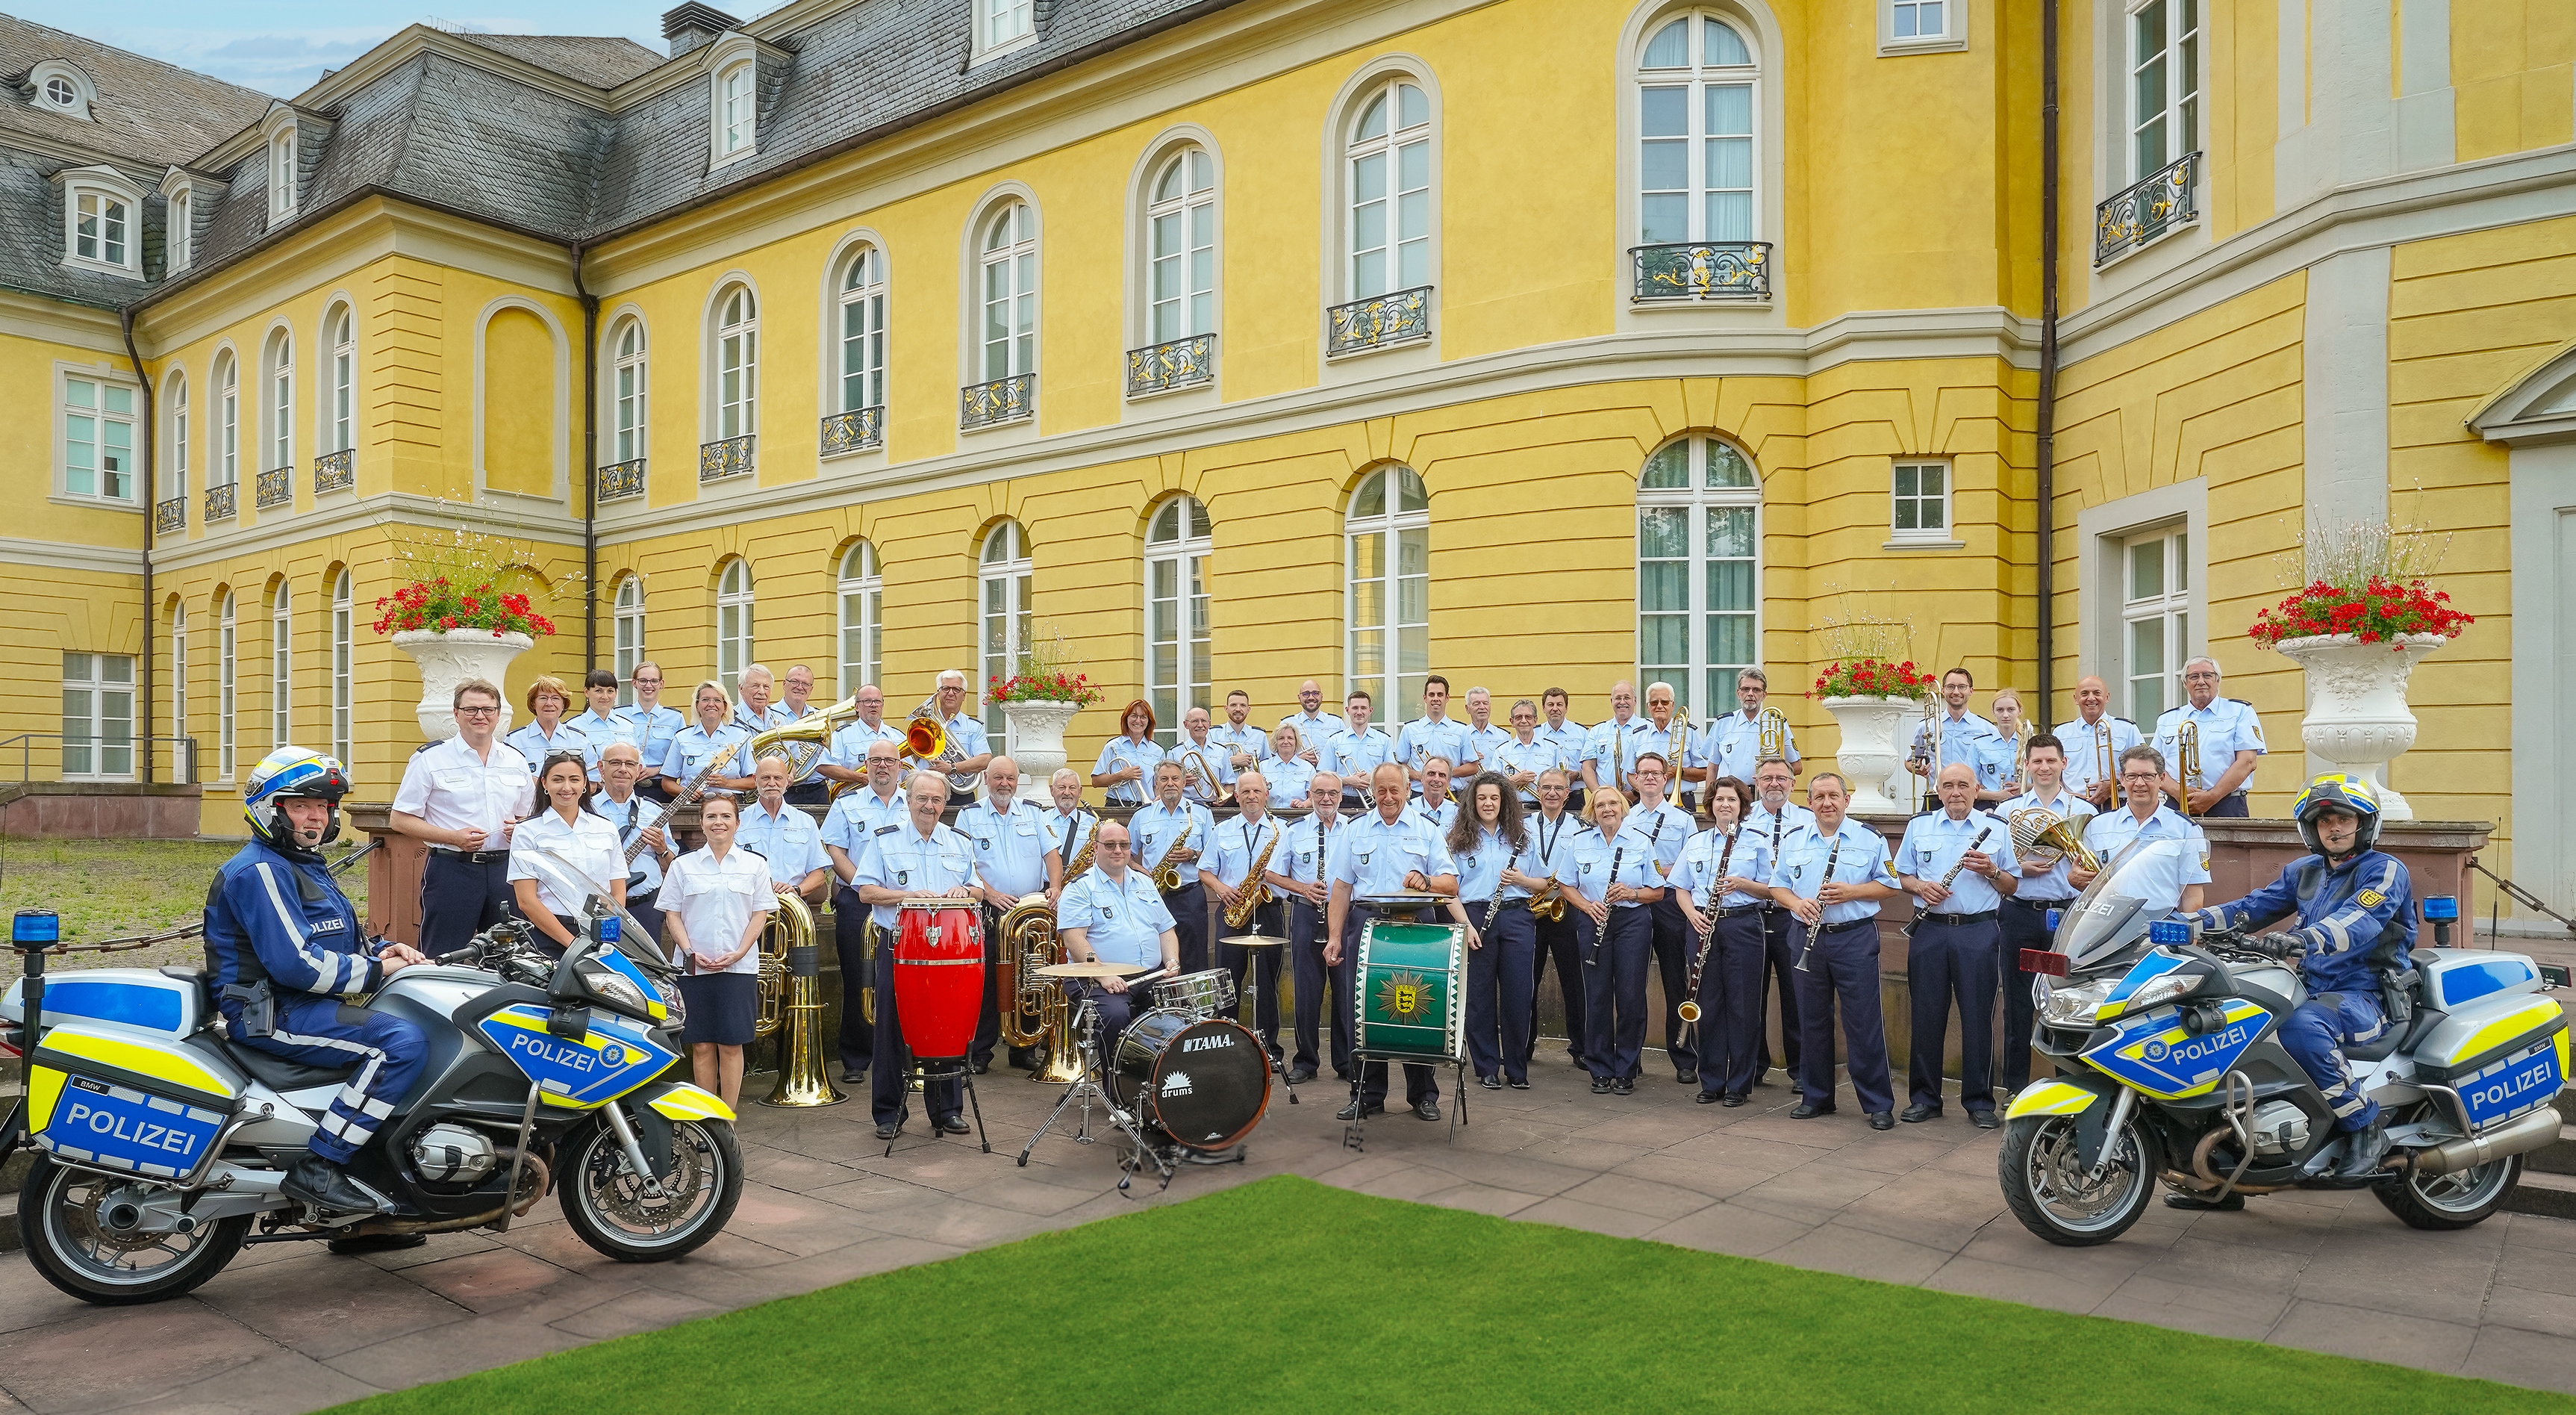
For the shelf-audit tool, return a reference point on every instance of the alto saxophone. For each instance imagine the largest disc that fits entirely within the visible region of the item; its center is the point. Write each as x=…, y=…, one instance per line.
x=1081, y=860
x=1256, y=890
x=1165, y=874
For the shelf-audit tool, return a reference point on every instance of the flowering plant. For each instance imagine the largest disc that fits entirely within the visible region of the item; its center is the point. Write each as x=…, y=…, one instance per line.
x=463, y=577
x=437, y=604
x=1873, y=678
x=1075, y=688
x=2380, y=611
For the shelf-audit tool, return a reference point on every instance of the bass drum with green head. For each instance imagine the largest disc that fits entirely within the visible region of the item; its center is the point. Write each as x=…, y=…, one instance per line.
x=1410, y=998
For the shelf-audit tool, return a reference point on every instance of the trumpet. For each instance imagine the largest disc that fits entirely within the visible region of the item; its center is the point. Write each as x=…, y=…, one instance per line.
x=1166, y=875
x=2187, y=770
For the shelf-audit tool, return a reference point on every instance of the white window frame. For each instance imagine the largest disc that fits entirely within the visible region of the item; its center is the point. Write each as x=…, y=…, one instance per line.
x=225, y=467
x=277, y=379
x=1015, y=262
x=862, y=618
x=63, y=87
x=1950, y=36
x=1005, y=585
x=1176, y=615
x=99, y=417
x=1696, y=80
x=179, y=235
x=228, y=688
x=1002, y=26
x=1390, y=147
x=179, y=685
x=281, y=175
x=338, y=429
x=95, y=737
x=627, y=639
x=737, y=111
x=2185, y=115
x=342, y=666
x=2166, y=614
x=736, y=640
x=860, y=291
x=109, y=216
x=182, y=425
x=1701, y=685
x=734, y=332
x=1390, y=685
x=1905, y=492
x=630, y=390
x=281, y=667
x=1192, y=218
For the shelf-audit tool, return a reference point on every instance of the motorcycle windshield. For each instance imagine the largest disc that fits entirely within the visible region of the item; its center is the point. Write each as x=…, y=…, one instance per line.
x=2137, y=888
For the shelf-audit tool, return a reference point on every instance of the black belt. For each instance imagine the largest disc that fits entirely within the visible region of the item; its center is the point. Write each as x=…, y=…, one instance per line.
x=1732, y=910
x=1846, y=926
x=472, y=857
x=1954, y=920
x=2040, y=906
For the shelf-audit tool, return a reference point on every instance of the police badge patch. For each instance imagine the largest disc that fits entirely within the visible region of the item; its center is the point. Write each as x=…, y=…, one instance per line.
x=2370, y=898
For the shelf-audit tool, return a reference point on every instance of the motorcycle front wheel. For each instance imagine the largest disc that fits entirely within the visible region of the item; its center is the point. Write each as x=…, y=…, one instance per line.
x=614, y=1211
x=80, y=1230
x=2057, y=1197
x=2442, y=1201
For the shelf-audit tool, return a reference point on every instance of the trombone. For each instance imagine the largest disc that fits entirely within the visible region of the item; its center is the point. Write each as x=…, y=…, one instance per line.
x=2187, y=770
x=2104, y=768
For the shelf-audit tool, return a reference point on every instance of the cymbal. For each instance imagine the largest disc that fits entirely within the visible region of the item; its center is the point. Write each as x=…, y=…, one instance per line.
x=1254, y=941
x=1089, y=970
x=1402, y=902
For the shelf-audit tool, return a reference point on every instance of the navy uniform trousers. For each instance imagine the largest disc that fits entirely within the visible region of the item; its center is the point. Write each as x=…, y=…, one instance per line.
x=1188, y=905
x=1306, y=949
x=849, y=940
x=1419, y=1079
x=460, y=896
x=1953, y=963
x=1730, y=1001
x=1557, y=943
x=1778, y=978
x=1674, y=945
x=1844, y=971
x=1614, y=989
x=2025, y=926
x=1501, y=976
x=1267, y=921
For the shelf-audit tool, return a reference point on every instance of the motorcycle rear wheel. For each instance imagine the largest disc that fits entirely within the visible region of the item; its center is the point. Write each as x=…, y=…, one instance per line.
x=2043, y=1188
x=607, y=1206
x=59, y=1221
x=2448, y=1201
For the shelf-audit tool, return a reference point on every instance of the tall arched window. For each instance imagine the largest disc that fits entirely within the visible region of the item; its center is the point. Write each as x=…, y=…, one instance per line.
x=1003, y=572
x=281, y=680
x=186, y=768
x=1180, y=225
x=180, y=427
x=281, y=401
x=1699, y=571
x=1009, y=292
x=733, y=623
x=1388, y=236
x=862, y=618
x=629, y=619
x=1179, y=661
x=1388, y=620
x=227, y=688
x=226, y=470
x=737, y=364
x=1695, y=134
x=340, y=332
x=737, y=112
x=863, y=330
x=626, y=382
x=340, y=665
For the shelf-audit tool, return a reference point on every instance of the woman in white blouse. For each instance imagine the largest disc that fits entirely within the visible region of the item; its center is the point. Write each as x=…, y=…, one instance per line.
x=581, y=842
x=717, y=900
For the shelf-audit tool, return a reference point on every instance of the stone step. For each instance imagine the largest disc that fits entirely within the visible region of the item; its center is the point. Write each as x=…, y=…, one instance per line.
x=2548, y=1195
x=2559, y=1158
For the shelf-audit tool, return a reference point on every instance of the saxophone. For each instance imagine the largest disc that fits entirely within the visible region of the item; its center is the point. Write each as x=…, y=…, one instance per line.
x=1256, y=890
x=1081, y=860
x=1165, y=874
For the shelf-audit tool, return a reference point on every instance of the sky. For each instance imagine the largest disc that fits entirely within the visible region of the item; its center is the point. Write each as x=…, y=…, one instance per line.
x=282, y=46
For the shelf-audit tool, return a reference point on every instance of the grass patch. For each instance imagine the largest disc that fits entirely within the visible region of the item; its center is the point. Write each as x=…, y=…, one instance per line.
x=1292, y=1295
x=117, y=888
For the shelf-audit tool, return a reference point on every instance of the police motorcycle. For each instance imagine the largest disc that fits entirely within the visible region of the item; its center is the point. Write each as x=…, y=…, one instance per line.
x=161, y=1144
x=2170, y=1071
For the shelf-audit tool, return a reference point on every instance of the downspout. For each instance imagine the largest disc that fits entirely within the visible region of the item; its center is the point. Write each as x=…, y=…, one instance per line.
x=2047, y=355
x=151, y=509
x=589, y=464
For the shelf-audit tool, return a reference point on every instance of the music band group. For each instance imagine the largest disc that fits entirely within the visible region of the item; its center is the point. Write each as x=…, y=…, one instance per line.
x=1644, y=841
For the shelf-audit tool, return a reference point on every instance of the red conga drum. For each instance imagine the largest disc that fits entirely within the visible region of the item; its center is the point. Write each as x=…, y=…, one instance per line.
x=938, y=976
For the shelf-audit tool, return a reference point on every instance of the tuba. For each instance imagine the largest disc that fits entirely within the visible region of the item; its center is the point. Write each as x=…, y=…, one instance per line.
x=2039, y=833
x=1034, y=1010
x=791, y=997
x=1774, y=727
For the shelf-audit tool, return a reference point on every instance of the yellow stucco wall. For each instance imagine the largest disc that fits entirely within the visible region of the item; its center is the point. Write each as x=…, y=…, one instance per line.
x=2513, y=66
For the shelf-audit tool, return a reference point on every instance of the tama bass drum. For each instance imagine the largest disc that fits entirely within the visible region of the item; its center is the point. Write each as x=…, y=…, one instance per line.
x=1203, y=1081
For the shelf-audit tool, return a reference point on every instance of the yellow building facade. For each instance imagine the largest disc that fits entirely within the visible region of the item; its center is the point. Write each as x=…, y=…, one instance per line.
x=1534, y=344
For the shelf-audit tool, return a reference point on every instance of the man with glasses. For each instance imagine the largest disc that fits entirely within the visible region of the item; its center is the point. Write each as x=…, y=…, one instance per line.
x=1773, y=816
x=462, y=797
x=2230, y=743
x=1316, y=728
x=1965, y=739
x=620, y=804
x=809, y=788
x=1113, y=914
x=1733, y=743
x=965, y=733
x=1521, y=756
x=847, y=761
x=654, y=725
x=2147, y=817
x=858, y=820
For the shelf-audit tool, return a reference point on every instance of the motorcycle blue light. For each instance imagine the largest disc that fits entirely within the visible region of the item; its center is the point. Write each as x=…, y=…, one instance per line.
x=36, y=928
x=2053, y=916
x=2165, y=931
x=609, y=929
x=2444, y=907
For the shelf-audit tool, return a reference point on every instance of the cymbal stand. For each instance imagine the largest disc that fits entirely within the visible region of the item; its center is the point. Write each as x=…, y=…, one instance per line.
x=1252, y=1000
x=1087, y=1088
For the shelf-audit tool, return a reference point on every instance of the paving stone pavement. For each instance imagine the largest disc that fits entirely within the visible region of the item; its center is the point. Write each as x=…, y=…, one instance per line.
x=290, y=1328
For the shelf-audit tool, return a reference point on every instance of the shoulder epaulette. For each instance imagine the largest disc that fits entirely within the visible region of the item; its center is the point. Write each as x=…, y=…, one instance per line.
x=425, y=746
x=2240, y=702
x=2123, y=719
x=886, y=829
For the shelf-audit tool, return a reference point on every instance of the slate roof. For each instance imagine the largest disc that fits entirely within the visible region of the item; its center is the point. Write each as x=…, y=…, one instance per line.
x=598, y=62
x=148, y=112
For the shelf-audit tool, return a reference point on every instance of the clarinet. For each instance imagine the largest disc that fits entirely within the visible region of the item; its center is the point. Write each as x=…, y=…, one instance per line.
x=1973, y=846
x=1601, y=936
x=1688, y=1011
x=1809, y=951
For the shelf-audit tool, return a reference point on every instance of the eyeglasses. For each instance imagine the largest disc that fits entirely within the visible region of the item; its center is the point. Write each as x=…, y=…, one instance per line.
x=1113, y=844
x=2142, y=778
x=478, y=712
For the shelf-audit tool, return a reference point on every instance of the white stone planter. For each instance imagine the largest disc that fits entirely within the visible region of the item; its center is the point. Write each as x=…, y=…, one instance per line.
x=449, y=657
x=1869, y=754
x=1037, y=742
x=2357, y=715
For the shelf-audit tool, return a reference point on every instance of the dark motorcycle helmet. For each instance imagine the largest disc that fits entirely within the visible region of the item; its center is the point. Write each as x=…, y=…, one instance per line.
x=287, y=774
x=2338, y=791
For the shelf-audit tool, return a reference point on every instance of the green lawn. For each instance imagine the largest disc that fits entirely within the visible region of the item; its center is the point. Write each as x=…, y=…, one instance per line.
x=118, y=888
x=1291, y=1295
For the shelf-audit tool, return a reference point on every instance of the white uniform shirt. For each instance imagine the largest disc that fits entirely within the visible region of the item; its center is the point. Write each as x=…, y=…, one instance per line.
x=2226, y=727
x=715, y=900
x=2084, y=754
x=587, y=845
x=453, y=789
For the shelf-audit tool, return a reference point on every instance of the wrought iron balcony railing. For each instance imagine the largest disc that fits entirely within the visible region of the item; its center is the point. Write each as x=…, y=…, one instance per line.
x=274, y=489
x=1702, y=270
x=620, y=480
x=1004, y=400
x=1174, y=363
x=335, y=471
x=1378, y=322
x=854, y=431
x=219, y=502
x=2146, y=212
x=170, y=518
x=728, y=458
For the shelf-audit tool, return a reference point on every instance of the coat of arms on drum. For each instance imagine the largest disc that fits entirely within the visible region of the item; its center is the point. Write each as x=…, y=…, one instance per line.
x=1405, y=995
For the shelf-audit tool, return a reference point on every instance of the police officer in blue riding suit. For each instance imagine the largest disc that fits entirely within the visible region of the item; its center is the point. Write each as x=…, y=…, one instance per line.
x=2356, y=913
x=287, y=957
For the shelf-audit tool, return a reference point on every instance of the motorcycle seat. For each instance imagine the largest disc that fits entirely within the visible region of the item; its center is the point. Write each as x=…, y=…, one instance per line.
x=279, y=1074
x=192, y=973
x=2386, y=1043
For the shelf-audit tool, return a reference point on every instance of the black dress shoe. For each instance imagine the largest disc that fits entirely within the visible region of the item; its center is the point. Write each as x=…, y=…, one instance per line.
x=1808, y=1111
x=983, y=1066
x=853, y=1078
x=1356, y=1111
x=1881, y=1120
x=1427, y=1108
x=1710, y=1098
x=1917, y=1114
x=1733, y=1099
x=890, y=1129
x=1985, y=1119
x=1624, y=1086
x=376, y=1243
x=951, y=1124
x=2369, y=1148
x=1601, y=1085
x=2193, y=1203
x=1490, y=1083
x=1518, y=1083
x=1299, y=1076
x=1687, y=1078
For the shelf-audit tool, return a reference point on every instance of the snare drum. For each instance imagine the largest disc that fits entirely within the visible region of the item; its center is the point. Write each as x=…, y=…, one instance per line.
x=1204, y=1081
x=1409, y=1003
x=938, y=976
x=1207, y=994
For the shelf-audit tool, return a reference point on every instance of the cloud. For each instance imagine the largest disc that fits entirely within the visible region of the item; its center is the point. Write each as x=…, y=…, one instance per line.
x=290, y=48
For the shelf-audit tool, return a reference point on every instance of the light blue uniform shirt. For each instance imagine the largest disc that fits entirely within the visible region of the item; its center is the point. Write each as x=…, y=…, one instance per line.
x=1573, y=740
x=1306, y=864
x=1122, y=751
x=1153, y=829
x=533, y=744
x=1613, y=748
x=1422, y=739
x=789, y=841
x=1290, y=781
x=2052, y=887
x=1548, y=853
x=1933, y=843
x=1237, y=844
x=917, y=866
x=1355, y=754
x=1247, y=739
x=1218, y=761
x=693, y=746
x=1665, y=830
x=967, y=735
x=1733, y=745
x=1967, y=741
x=1697, y=870
x=1442, y=816
x=1536, y=755
x=1862, y=859
x=859, y=818
x=1070, y=833
x=599, y=733
x=1317, y=731
x=2226, y=728
x=2114, y=831
x=654, y=728
x=633, y=818
x=1374, y=857
x=1774, y=828
x=1482, y=743
x=1123, y=921
x=850, y=745
x=1480, y=870
x=1624, y=858
x=1010, y=847
x=2083, y=744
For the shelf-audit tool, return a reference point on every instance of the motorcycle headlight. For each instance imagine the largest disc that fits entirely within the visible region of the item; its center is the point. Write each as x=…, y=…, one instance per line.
x=2160, y=991
x=616, y=988
x=2073, y=1007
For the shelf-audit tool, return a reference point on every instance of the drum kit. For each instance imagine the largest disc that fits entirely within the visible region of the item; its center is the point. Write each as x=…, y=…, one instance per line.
x=1409, y=998
x=1188, y=1082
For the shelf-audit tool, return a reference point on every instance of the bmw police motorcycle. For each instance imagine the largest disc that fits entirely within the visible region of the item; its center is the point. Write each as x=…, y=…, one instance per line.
x=161, y=1144
x=2171, y=1071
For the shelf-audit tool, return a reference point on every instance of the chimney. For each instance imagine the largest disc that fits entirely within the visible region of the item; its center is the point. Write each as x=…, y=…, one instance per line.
x=694, y=26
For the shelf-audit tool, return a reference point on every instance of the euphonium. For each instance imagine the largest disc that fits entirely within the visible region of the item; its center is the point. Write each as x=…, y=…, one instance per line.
x=2042, y=834
x=791, y=925
x=1035, y=1012
x=1165, y=874
x=1256, y=890
x=791, y=994
x=2187, y=771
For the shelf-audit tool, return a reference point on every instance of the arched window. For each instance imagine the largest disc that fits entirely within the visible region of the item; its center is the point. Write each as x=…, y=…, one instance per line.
x=1009, y=288
x=1180, y=227
x=179, y=754
x=737, y=364
x=281, y=175
x=863, y=330
x=1695, y=150
x=281, y=401
x=1179, y=661
x=180, y=426
x=736, y=110
x=1388, y=231
x=626, y=382
x=733, y=623
x=340, y=666
x=1003, y=572
x=226, y=470
x=1388, y=621
x=281, y=681
x=227, y=684
x=1699, y=571
x=629, y=617
x=340, y=332
x=862, y=618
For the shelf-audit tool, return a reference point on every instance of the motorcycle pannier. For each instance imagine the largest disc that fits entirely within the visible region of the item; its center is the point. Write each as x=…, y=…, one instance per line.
x=116, y=1100
x=2505, y=1055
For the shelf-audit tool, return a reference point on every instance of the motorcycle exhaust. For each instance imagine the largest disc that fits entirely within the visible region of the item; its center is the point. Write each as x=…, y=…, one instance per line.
x=2516, y=1137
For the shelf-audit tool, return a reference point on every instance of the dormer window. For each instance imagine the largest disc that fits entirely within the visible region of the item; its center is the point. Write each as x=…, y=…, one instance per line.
x=100, y=218
x=63, y=87
x=281, y=174
x=183, y=235
x=58, y=92
x=1003, y=25
x=737, y=113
